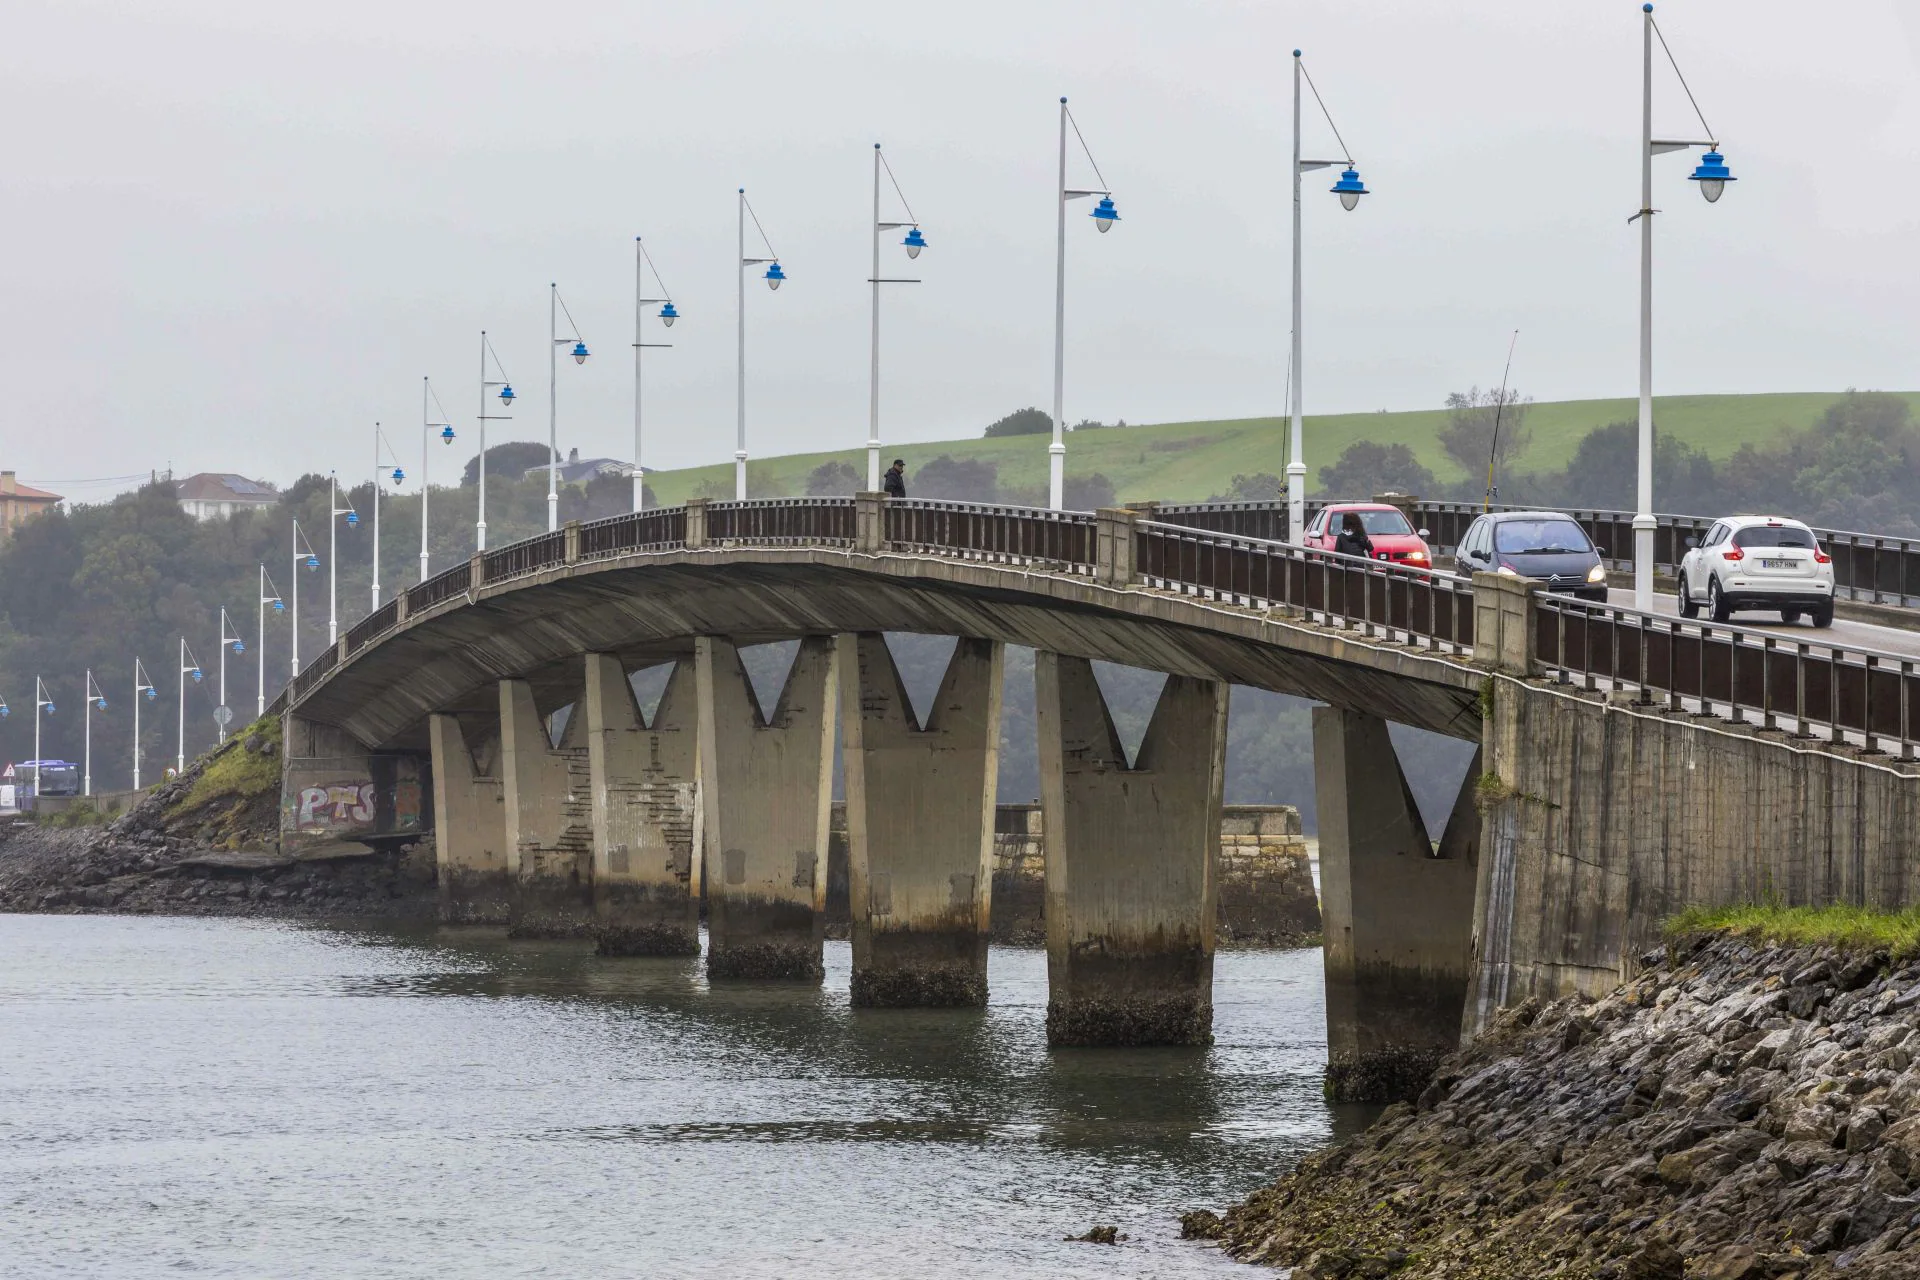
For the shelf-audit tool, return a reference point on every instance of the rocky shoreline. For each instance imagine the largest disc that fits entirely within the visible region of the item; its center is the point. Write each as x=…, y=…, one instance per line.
x=1739, y=1111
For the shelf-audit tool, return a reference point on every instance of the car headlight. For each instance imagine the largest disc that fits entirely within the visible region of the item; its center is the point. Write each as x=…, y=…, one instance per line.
x=1416, y=555
x=1507, y=571
x=1597, y=574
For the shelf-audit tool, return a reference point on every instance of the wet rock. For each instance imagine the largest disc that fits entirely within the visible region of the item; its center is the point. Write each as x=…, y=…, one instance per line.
x=1201, y=1224
x=1099, y=1235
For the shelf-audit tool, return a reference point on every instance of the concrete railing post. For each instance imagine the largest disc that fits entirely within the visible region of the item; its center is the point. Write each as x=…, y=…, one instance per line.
x=549, y=819
x=570, y=539
x=1113, y=545
x=469, y=827
x=870, y=522
x=646, y=813
x=920, y=817
x=1131, y=854
x=1503, y=623
x=477, y=572
x=696, y=523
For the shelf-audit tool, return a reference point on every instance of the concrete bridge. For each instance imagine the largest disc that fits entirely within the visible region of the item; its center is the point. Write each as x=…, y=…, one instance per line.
x=1627, y=764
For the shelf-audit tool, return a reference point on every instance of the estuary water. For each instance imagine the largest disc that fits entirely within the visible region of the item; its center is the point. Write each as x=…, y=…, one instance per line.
x=263, y=1099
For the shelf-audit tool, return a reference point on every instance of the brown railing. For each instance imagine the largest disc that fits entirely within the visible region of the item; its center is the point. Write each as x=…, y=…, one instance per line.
x=529, y=555
x=372, y=625
x=1751, y=676
x=976, y=531
x=439, y=588
x=657, y=529
x=314, y=671
x=782, y=521
x=1416, y=605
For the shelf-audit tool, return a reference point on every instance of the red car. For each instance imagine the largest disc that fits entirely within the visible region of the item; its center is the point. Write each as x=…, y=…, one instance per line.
x=1393, y=537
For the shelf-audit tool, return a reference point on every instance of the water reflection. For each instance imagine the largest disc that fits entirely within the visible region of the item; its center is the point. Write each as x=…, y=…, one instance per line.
x=250, y=1099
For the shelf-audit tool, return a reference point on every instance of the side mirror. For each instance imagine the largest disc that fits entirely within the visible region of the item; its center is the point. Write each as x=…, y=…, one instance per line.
x=1476, y=554
x=1423, y=533
x=1693, y=542
x=1600, y=551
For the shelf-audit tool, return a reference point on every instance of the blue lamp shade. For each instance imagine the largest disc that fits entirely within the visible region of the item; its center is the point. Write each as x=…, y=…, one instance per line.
x=313, y=562
x=239, y=646
x=1349, y=188
x=5, y=711
x=398, y=475
x=914, y=242
x=353, y=518
x=579, y=352
x=196, y=675
x=506, y=394
x=1712, y=174
x=1104, y=215
x=668, y=315
x=279, y=606
x=775, y=276
x=49, y=708
x=446, y=435
x=100, y=704
x=151, y=692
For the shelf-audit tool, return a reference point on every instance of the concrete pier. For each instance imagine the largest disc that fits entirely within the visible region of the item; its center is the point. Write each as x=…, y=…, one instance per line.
x=1398, y=913
x=766, y=787
x=476, y=874
x=920, y=810
x=1130, y=859
x=549, y=817
x=646, y=813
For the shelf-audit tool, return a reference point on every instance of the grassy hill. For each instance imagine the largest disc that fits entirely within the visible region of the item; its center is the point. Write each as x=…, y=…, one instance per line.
x=1189, y=461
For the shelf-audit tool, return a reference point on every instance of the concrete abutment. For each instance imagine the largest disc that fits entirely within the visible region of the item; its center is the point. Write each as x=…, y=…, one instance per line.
x=549, y=819
x=471, y=852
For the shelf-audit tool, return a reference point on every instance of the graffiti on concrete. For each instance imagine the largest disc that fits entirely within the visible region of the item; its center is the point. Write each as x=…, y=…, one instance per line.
x=336, y=806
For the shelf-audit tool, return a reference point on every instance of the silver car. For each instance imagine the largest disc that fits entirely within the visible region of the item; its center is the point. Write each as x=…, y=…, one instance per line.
x=1757, y=562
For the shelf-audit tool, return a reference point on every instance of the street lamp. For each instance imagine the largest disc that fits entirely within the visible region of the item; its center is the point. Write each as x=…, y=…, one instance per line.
x=774, y=277
x=1713, y=177
x=312, y=562
x=383, y=458
x=556, y=306
x=95, y=700
x=506, y=398
x=189, y=666
x=41, y=699
x=913, y=244
x=1104, y=216
x=641, y=261
x=427, y=435
x=142, y=683
x=1349, y=188
x=229, y=639
x=269, y=595
x=333, y=559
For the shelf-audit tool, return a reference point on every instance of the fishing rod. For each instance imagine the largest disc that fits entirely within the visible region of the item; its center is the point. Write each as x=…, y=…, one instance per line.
x=1499, y=407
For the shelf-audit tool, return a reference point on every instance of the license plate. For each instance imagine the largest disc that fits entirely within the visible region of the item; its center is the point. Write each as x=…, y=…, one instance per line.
x=1777, y=564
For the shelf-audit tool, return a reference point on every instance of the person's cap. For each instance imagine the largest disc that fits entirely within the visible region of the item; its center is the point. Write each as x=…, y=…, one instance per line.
x=899, y=462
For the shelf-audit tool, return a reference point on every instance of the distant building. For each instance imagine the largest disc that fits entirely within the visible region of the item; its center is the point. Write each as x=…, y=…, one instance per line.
x=20, y=503
x=578, y=470
x=213, y=494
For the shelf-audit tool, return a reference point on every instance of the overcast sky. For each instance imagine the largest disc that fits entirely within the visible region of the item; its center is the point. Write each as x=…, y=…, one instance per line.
x=237, y=234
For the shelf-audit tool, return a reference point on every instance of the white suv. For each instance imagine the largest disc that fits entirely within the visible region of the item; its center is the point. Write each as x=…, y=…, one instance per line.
x=1757, y=562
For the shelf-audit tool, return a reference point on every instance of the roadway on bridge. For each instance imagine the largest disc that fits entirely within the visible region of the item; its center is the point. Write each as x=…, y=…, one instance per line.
x=1844, y=632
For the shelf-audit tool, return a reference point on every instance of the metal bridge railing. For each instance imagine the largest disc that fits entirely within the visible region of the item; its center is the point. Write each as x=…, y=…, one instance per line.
x=441, y=587
x=782, y=522
x=1415, y=605
x=656, y=529
x=529, y=555
x=979, y=531
x=1754, y=677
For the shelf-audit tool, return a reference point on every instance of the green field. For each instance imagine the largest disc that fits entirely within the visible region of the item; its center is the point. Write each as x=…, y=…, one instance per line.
x=1189, y=461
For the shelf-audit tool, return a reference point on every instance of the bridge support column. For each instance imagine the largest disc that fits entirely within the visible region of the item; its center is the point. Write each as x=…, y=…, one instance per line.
x=919, y=824
x=470, y=827
x=766, y=794
x=1397, y=913
x=549, y=819
x=646, y=813
x=1130, y=854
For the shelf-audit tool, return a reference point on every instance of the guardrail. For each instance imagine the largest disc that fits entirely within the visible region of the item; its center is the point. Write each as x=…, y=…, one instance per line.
x=782, y=521
x=976, y=531
x=1416, y=605
x=657, y=529
x=1757, y=677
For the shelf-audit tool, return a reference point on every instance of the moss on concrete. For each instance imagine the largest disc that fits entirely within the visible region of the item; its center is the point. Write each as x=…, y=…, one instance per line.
x=1854, y=928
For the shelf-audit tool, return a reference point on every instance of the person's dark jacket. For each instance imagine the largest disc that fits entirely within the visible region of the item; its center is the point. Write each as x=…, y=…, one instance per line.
x=894, y=482
x=1353, y=544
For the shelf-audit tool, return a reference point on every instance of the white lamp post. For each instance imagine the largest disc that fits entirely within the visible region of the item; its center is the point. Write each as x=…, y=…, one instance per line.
x=383, y=458
x=913, y=243
x=333, y=568
x=641, y=261
x=427, y=434
x=142, y=683
x=95, y=698
x=1349, y=189
x=556, y=306
x=41, y=699
x=189, y=666
x=229, y=639
x=774, y=277
x=1104, y=216
x=1713, y=177
x=269, y=595
x=506, y=402
x=312, y=562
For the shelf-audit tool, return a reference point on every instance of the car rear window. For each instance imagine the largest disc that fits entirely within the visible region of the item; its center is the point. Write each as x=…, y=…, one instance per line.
x=1540, y=537
x=1784, y=535
x=1388, y=522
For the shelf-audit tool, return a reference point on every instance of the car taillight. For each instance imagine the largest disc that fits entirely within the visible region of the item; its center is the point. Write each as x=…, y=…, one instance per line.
x=1733, y=553
x=1821, y=557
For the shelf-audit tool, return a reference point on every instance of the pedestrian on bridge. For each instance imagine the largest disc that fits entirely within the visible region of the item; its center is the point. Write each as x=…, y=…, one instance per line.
x=895, y=480
x=1352, y=539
